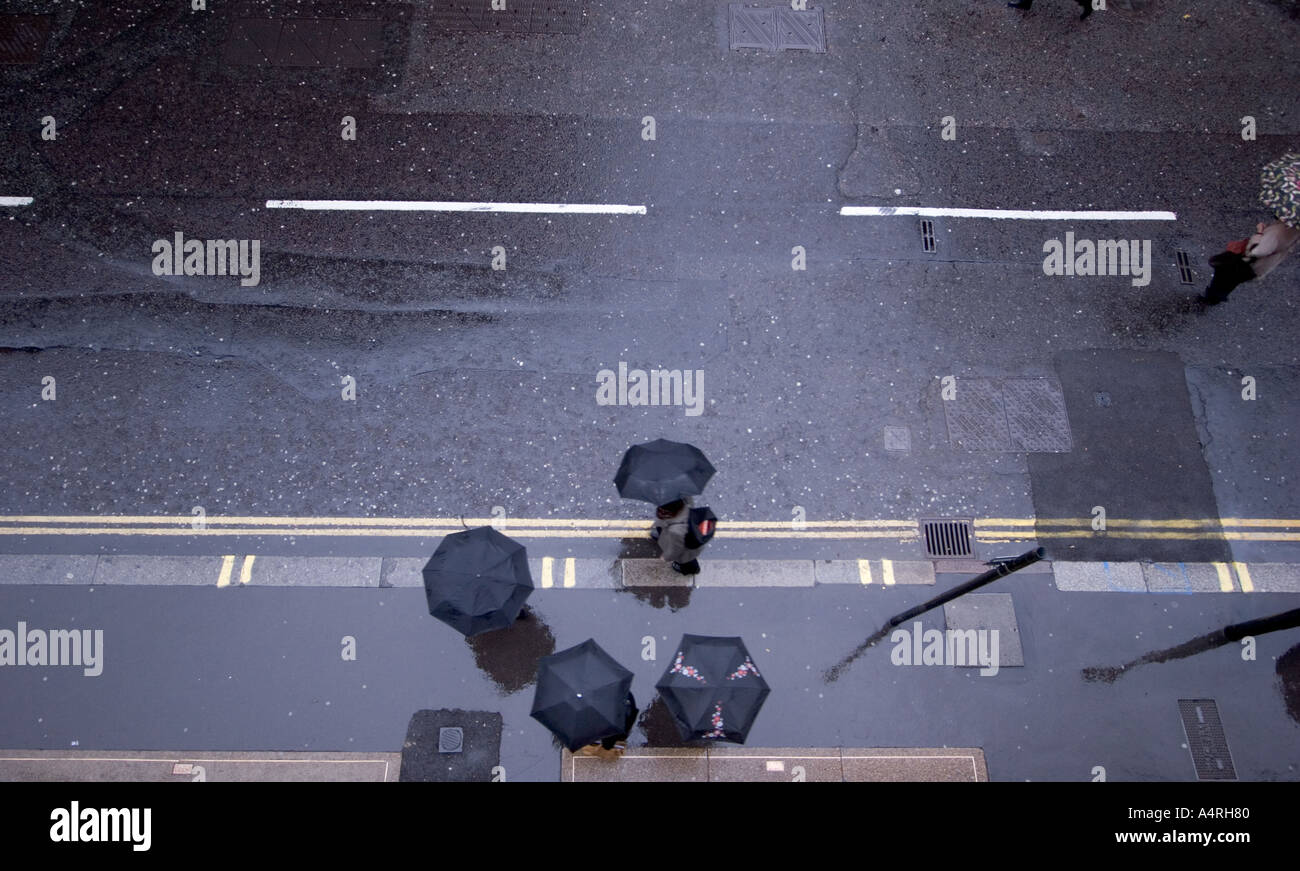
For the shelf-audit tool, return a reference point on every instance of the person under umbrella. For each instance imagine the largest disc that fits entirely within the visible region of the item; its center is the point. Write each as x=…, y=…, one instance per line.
x=662, y=471
x=668, y=474
x=713, y=689
x=682, y=531
x=477, y=580
x=584, y=696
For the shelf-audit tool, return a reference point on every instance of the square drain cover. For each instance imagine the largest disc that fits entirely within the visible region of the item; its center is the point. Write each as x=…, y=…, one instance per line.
x=898, y=438
x=451, y=739
x=1206, y=740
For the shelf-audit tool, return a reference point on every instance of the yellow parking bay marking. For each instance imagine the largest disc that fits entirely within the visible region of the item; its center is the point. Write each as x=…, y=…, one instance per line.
x=864, y=571
x=570, y=575
x=1243, y=575
x=228, y=569
x=1225, y=577
x=548, y=572
x=887, y=572
x=227, y=563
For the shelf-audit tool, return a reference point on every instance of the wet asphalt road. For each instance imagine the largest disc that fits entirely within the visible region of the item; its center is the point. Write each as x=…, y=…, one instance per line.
x=476, y=387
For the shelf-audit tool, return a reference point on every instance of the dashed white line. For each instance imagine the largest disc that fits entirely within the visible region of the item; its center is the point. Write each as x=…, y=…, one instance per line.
x=441, y=206
x=1006, y=214
x=15, y=201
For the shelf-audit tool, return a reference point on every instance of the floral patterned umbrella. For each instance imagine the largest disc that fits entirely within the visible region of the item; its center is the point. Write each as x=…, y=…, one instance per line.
x=713, y=688
x=1280, y=188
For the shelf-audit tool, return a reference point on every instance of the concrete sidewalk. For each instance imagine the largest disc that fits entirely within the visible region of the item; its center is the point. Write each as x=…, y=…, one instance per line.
x=731, y=763
x=149, y=766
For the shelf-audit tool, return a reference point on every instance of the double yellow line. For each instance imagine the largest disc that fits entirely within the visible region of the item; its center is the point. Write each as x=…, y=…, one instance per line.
x=421, y=527
x=991, y=529
x=1004, y=529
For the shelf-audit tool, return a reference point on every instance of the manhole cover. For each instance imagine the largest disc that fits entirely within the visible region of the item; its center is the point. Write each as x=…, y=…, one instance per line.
x=451, y=739
x=947, y=538
x=1206, y=740
x=1016, y=414
x=777, y=28
x=1036, y=417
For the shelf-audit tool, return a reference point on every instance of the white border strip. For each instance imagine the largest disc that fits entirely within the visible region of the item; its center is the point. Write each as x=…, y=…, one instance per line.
x=15, y=201
x=1012, y=214
x=440, y=206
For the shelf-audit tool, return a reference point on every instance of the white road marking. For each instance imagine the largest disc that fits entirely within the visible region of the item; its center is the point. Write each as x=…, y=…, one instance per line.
x=15, y=201
x=1006, y=214
x=439, y=206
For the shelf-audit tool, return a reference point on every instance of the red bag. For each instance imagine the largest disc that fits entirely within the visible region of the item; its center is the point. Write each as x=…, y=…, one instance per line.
x=1238, y=247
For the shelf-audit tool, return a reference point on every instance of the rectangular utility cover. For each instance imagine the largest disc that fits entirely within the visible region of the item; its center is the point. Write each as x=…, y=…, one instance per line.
x=777, y=28
x=1206, y=739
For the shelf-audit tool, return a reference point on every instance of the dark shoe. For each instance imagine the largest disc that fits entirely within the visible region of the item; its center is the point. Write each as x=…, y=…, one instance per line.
x=1087, y=10
x=690, y=568
x=1023, y=4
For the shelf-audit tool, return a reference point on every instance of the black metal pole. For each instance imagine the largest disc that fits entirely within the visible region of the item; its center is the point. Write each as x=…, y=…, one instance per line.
x=1000, y=570
x=1285, y=620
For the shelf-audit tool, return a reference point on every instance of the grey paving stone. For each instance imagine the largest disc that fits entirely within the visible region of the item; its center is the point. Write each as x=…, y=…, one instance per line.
x=170, y=766
x=731, y=763
x=904, y=572
x=836, y=571
x=163, y=570
x=42, y=569
x=989, y=611
x=639, y=764
x=884, y=764
x=1274, y=577
x=402, y=571
x=652, y=573
x=755, y=573
x=324, y=571
x=975, y=567
x=1099, y=577
x=1181, y=577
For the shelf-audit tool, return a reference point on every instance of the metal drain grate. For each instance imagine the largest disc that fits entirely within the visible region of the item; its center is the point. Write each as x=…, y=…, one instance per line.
x=1184, y=267
x=927, y=237
x=451, y=739
x=947, y=538
x=1206, y=740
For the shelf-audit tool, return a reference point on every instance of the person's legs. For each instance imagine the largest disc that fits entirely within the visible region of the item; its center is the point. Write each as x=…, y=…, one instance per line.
x=1229, y=271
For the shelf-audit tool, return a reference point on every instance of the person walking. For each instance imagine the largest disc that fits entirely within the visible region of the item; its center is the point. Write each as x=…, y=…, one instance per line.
x=681, y=532
x=1028, y=4
x=619, y=741
x=1249, y=259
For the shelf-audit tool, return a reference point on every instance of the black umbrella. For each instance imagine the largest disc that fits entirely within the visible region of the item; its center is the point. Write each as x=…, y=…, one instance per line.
x=583, y=695
x=712, y=688
x=477, y=580
x=661, y=471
